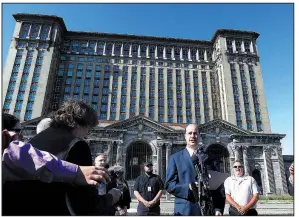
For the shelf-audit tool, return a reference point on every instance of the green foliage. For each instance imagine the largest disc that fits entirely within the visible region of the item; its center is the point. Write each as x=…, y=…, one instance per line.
x=277, y=197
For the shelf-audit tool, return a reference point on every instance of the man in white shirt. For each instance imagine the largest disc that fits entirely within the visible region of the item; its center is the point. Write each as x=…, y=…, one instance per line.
x=241, y=192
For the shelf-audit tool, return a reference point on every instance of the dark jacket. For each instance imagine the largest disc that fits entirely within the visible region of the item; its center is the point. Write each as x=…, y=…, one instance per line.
x=125, y=200
x=218, y=195
x=39, y=198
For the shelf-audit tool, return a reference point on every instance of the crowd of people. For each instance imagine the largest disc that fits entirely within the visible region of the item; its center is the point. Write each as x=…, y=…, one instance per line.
x=53, y=174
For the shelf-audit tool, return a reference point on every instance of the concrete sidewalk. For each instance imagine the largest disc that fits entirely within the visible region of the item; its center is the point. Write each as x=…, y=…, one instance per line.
x=278, y=209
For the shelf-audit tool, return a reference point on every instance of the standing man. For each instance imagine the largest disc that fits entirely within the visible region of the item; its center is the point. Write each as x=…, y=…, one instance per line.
x=181, y=176
x=148, y=191
x=100, y=160
x=241, y=192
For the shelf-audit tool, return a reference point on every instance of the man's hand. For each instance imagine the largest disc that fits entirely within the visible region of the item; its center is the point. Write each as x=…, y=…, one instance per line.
x=151, y=203
x=146, y=203
x=122, y=212
x=243, y=210
x=91, y=175
x=238, y=208
x=218, y=213
x=116, y=194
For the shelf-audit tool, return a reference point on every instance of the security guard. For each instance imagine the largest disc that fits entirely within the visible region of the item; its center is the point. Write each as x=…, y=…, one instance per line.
x=148, y=191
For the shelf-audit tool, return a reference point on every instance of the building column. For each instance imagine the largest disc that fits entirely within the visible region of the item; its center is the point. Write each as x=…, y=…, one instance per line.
x=245, y=161
x=236, y=150
x=39, y=31
x=269, y=174
x=122, y=50
x=159, y=158
x=172, y=53
x=234, y=46
x=251, y=47
x=130, y=50
x=113, y=53
x=119, y=153
x=109, y=152
x=168, y=154
x=95, y=47
x=284, y=186
x=189, y=54
x=242, y=46
x=29, y=31
x=147, y=51
x=104, y=49
x=205, y=55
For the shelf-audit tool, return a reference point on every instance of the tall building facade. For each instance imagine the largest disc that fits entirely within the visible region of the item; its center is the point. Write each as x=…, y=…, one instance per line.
x=146, y=90
x=169, y=80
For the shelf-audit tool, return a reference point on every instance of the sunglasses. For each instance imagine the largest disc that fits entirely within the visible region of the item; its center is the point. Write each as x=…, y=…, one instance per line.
x=238, y=167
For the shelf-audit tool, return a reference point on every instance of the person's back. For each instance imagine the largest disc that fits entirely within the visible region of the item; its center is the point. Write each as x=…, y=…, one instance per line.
x=38, y=198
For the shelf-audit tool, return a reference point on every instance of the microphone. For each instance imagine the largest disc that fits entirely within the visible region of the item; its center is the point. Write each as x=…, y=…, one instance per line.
x=106, y=166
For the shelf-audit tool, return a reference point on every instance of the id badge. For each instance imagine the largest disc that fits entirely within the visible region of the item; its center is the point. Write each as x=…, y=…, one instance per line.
x=149, y=188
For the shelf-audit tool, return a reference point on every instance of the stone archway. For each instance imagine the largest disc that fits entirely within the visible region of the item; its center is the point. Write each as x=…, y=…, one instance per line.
x=137, y=154
x=220, y=153
x=256, y=174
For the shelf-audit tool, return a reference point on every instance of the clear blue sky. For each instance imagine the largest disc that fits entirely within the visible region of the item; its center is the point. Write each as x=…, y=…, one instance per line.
x=274, y=22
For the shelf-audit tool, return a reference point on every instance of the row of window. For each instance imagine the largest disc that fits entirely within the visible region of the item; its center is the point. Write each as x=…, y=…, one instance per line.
x=110, y=49
x=238, y=45
x=33, y=31
x=34, y=85
x=24, y=80
x=245, y=97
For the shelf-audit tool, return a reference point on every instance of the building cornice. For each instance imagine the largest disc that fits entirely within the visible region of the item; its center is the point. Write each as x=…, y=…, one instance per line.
x=143, y=38
x=150, y=39
x=234, y=33
x=41, y=17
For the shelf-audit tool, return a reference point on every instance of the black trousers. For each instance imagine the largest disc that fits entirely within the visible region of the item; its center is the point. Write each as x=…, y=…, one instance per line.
x=234, y=212
x=153, y=211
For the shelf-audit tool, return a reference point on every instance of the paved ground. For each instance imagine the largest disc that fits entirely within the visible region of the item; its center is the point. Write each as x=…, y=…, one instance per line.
x=285, y=209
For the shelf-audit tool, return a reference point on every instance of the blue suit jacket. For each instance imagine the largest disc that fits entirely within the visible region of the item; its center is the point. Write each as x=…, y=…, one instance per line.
x=180, y=173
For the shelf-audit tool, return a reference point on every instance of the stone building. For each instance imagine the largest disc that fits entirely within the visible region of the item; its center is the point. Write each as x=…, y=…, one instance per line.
x=134, y=141
x=146, y=90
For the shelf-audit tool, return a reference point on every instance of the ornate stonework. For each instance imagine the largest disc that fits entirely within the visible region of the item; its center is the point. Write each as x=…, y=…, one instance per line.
x=114, y=140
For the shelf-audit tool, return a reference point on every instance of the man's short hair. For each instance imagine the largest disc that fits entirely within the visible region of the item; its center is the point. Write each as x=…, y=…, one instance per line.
x=98, y=155
x=189, y=125
x=238, y=161
x=43, y=124
x=9, y=121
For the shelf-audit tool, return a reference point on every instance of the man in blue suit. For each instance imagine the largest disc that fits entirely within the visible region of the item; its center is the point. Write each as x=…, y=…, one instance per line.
x=181, y=175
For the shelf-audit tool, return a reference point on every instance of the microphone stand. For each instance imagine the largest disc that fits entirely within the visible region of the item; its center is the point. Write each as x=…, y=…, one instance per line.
x=205, y=198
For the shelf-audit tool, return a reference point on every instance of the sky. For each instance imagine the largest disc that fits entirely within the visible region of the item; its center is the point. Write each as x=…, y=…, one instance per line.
x=274, y=22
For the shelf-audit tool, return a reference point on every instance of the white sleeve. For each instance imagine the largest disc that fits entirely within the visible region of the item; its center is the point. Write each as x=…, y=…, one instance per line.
x=255, y=187
x=227, y=186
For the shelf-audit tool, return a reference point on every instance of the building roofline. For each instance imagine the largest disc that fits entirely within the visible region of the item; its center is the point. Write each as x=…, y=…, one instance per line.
x=138, y=37
x=53, y=18
x=233, y=31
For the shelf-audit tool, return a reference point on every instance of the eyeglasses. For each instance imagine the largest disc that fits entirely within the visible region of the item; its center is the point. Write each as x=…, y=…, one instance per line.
x=238, y=167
